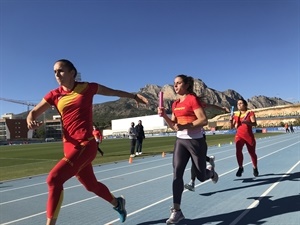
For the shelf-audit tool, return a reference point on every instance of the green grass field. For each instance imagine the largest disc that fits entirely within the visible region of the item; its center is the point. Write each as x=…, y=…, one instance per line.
x=19, y=161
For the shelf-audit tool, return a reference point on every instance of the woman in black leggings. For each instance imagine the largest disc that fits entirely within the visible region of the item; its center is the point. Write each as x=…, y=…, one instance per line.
x=188, y=117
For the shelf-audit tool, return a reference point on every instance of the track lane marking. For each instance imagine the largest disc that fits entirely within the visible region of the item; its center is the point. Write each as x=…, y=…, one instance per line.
x=257, y=201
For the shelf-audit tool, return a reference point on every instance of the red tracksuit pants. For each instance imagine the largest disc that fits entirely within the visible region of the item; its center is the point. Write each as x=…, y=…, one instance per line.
x=251, y=145
x=76, y=162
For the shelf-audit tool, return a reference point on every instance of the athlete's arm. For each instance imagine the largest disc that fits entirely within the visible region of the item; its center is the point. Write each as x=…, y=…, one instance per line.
x=199, y=122
x=170, y=121
x=103, y=90
x=252, y=121
x=232, y=122
x=41, y=107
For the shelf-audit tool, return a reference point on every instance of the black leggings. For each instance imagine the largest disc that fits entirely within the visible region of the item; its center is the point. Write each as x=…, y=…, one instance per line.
x=132, y=146
x=184, y=150
x=139, y=144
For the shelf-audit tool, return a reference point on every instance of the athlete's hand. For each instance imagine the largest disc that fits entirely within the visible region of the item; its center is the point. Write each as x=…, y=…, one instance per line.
x=34, y=124
x=140, y=99
x=161, y=111
x=178, y=127
x=226, y=109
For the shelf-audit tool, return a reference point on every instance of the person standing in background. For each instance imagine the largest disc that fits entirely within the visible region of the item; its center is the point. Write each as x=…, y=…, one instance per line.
x=292, y=128
x=98, y=137
x=286, y=126
x=243, y=121
x=140, y=137
x=132, y=136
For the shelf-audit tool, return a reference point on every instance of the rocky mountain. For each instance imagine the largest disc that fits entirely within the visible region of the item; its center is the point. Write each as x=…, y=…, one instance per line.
x=123, y=108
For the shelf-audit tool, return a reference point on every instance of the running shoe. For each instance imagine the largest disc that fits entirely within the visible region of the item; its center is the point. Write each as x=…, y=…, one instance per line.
x=175, y=217
x=240, y=171
x=212, y=161
x=255, y=172
x=215, y=176
x=120, y=208
x=190, y=186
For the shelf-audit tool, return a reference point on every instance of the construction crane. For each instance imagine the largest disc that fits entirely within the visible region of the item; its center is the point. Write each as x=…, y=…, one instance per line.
x=19, y=102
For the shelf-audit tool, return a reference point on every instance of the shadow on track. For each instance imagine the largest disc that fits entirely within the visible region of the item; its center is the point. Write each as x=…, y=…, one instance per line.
x=266, y=209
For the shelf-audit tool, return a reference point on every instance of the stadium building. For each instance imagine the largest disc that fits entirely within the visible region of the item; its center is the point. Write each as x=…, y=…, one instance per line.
x=12, y=128
x=152, y=124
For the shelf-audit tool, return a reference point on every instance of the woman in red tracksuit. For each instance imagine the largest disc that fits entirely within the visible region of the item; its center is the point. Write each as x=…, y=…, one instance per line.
x=73, y=100
x=243, y=121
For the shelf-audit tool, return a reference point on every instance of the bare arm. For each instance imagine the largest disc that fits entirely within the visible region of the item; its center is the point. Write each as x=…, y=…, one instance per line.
x=232, y=122
x=252, y=119
x=170, y=121
x=41, y=107
x=103, y=90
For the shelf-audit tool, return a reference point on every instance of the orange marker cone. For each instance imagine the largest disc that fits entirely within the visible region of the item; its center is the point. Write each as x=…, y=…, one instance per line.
x=163, y=154
x=130, y=160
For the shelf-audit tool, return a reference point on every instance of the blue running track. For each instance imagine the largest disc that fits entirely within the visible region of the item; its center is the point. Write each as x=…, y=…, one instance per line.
x=272, y=198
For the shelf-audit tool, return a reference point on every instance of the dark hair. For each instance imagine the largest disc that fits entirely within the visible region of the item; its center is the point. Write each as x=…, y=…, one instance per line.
x=189, y=81
x=69, y=65
x=244, y=102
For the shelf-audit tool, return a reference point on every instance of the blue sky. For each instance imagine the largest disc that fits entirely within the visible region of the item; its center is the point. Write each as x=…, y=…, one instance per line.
x=250, y=46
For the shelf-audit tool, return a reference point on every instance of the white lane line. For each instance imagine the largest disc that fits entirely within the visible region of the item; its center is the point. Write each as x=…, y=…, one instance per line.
x=84, y=200
x=153, y=204
x=158, y=202
x=102, y=171
x=122, y=175
x=80, y=185
x=256, y=202
x=126, y=166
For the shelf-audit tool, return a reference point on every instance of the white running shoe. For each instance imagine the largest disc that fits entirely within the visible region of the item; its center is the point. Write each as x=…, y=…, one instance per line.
x=175, y=216
x=215, y=176
x=212, y=161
